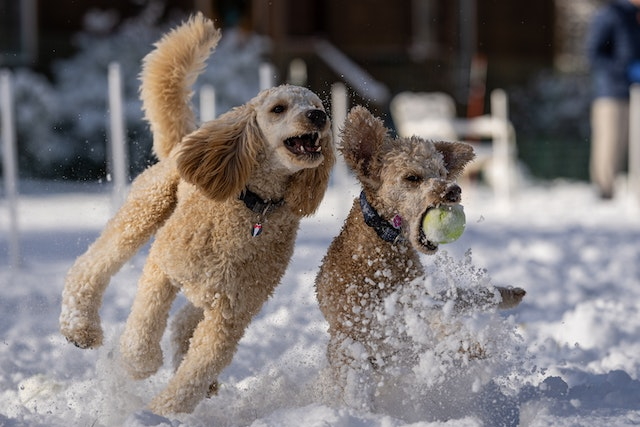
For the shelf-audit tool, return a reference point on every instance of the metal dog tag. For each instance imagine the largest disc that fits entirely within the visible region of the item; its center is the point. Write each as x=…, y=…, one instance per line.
x=257, y=229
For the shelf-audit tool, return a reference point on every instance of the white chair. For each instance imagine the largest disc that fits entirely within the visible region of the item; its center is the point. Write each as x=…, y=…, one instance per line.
x=432, y=116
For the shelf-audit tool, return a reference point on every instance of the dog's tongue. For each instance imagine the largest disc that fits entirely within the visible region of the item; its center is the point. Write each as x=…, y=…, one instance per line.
x=310, y=144
x=304, y=143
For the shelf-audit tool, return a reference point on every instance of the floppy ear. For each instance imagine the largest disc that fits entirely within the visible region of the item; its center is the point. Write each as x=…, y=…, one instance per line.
x=307, y=187
x=456, y=156
x=362, y=138
x=219, y=156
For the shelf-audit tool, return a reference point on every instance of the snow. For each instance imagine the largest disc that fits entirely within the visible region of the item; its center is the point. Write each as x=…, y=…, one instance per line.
x=567, y=356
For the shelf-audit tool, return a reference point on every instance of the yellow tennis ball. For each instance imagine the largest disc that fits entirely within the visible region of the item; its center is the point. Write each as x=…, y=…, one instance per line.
x=444, y=224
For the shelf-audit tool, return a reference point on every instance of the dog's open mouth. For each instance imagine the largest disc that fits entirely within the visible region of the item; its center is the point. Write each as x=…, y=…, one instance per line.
x=304, y=144
x=422, y=238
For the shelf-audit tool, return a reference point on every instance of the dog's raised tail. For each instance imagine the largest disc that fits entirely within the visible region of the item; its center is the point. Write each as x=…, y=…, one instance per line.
x=168, y=74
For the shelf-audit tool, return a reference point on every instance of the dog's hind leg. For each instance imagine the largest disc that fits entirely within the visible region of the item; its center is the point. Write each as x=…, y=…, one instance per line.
x=184, y=323
x=182, y=328
x=352, y=371
x=211, y=349
x=151, y=201
x=140, y=342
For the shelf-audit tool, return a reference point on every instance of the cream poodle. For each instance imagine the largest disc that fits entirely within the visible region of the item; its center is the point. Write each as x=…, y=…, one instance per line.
x=224, y=203
x=378, y=249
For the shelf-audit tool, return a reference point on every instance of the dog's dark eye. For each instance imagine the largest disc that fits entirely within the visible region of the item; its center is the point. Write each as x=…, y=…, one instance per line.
x=278, y=109
x=413, y=178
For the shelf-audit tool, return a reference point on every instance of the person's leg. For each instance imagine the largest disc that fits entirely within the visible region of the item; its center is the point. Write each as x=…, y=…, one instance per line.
x=609, y=128
x=622, y=146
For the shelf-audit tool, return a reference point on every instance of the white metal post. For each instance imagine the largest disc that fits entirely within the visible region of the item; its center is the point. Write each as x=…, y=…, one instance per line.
x=10, y=165
x=339, y=107
x=207, y=103
x=298, y=72
x=267, y=75
x=119, y=162
x=634, y=141
x=501, y=147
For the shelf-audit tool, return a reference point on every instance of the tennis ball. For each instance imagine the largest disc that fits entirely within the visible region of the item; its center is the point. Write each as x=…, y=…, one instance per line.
x=444, y=224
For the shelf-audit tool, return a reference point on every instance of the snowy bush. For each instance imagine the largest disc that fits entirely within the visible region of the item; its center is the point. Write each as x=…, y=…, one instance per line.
x=63, y=125
x=35, y=112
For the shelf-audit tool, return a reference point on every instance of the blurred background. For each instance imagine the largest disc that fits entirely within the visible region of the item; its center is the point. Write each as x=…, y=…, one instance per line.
x=59, y=52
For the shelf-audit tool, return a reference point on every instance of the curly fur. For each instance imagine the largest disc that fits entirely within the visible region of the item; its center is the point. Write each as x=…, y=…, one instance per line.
x=189, y=200
x=403, y=176
x=167, y=76
x=220, y=156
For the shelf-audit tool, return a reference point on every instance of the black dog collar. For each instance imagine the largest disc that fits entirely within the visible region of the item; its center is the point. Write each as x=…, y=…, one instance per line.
x=257, y=204
x=385, y=230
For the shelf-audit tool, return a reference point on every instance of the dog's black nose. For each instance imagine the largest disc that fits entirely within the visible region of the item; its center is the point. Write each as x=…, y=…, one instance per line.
x=317, y=117
x=453, y=194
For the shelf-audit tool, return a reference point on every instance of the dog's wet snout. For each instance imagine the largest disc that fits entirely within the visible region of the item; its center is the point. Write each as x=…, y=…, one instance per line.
x=317, y=117
x=453, y=194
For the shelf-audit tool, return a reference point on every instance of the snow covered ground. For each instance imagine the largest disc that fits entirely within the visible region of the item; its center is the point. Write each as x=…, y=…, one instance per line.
x=569, y=359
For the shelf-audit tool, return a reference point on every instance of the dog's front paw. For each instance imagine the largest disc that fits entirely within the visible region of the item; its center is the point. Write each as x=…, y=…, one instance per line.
x=511, y=297
x=84, y=338
x=81, y=329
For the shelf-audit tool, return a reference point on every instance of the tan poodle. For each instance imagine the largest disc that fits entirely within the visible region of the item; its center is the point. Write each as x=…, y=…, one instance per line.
x=224, y=203
x=378, y=248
